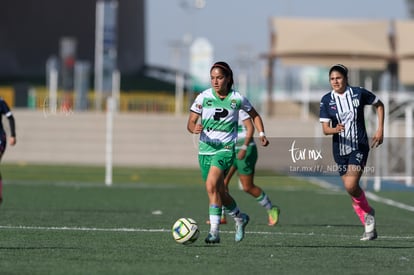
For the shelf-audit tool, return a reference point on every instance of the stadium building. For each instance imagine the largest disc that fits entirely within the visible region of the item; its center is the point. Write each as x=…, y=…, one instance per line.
x=30, y=33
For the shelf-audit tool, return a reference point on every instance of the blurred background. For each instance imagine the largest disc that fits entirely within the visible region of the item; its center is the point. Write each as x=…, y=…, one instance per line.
x=165, y=48
x=63, y=60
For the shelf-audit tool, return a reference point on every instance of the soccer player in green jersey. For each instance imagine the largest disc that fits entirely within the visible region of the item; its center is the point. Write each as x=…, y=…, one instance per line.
x=244, y=165
x=214, y=115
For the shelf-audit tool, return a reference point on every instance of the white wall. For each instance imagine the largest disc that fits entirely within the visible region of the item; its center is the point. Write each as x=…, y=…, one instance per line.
x=139, y=139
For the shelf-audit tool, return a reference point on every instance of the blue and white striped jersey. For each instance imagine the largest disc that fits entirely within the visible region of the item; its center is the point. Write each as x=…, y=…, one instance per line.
x=347, y=109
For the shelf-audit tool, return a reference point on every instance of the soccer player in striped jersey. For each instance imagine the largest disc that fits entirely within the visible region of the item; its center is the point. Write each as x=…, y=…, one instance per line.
x=214, y=115
x=342, y=115
x=5, y=111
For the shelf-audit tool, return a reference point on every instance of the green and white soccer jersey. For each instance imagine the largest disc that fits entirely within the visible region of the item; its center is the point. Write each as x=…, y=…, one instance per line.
x=241, y=129
x=219, y=118
x=245, y=166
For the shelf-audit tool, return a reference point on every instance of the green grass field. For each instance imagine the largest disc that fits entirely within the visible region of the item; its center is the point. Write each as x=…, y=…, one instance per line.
x=64, y=220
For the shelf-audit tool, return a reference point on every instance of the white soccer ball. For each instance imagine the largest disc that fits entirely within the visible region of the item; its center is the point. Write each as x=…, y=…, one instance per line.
x=185, y=231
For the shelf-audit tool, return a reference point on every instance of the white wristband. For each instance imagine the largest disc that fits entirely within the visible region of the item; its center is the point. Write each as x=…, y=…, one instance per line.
x=262, y=134
x=243, y=147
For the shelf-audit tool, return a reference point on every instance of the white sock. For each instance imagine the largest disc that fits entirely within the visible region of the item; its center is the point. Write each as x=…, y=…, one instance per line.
x=214, y=224
x=264, y=201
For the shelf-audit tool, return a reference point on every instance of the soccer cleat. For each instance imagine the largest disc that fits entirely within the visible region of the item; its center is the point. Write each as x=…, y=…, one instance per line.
x=370, y=230
x=212, y=238
x=240, y=226
x=273, y=216
x=369, y=236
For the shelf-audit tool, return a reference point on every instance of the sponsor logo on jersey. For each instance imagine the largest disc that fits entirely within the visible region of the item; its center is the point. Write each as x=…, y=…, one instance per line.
x=359, y=157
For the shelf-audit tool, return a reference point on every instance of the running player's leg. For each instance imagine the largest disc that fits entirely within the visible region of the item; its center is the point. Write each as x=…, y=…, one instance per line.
x=351, y=179
x=246, y=170
x=351, y=173
x=218, y=164
x=227, y=179
x=229, y=176
x=241, y=219
x=215, y=205
x=214, y=209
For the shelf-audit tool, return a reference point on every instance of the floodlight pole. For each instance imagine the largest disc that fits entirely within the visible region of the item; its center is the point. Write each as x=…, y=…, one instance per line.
x=409, y=144
x=109, y=136
x=53, y=86
x=112, y=106
x=179, y=78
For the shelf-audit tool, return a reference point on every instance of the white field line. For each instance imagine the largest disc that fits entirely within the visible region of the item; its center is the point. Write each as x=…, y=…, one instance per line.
x=370, y=195
x=390, y=202
x=163, y=230
x=316, y=181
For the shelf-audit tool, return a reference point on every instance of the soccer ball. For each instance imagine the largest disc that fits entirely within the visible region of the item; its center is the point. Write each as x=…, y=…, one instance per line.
x=185, y=231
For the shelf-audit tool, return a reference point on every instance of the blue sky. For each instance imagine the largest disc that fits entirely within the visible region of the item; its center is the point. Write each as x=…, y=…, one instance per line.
x=234, y=27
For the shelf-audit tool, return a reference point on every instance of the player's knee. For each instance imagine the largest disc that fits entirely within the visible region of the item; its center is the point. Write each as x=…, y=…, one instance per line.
x=353, y=190
x=248, y=188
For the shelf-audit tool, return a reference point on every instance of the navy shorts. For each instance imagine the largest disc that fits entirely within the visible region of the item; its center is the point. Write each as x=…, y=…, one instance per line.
x=357, y=158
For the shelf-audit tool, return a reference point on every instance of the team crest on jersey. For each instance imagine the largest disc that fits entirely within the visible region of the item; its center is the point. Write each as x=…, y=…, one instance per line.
x=198, y=106
x=355, y=102
x=233, y=104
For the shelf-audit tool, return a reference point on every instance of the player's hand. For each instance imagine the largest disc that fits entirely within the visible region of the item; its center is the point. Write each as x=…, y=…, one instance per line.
x=197, y=129
x=339, y=128
x=264, y=141
x=377, y=139
x=12, y=140
x=241, y=154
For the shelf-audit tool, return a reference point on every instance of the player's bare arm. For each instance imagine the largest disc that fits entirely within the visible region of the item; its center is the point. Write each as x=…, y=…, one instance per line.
x=258, y=123
x=192, y=125
x=249, y=136
x=328, y=130
x=378, y=137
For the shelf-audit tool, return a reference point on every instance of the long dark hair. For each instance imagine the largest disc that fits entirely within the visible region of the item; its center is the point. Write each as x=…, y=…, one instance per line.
x=225, y=68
